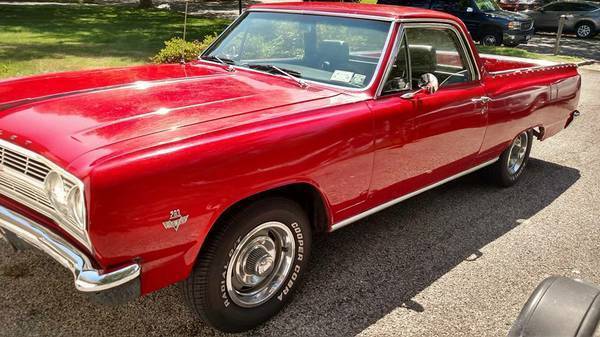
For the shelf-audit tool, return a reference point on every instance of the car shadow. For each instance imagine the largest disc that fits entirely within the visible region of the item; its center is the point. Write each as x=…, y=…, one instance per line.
x=362, y=272
x=357, y=275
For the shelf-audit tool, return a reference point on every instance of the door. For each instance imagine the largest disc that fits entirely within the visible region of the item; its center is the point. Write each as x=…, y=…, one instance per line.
x=549, y=16
x=429, y=137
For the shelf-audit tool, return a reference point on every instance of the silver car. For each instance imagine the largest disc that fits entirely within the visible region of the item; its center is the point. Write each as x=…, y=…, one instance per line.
x=583, y=17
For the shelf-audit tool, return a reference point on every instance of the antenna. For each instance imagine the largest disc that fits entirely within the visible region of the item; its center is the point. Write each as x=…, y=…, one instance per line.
x=185, y=19
x=184, y=31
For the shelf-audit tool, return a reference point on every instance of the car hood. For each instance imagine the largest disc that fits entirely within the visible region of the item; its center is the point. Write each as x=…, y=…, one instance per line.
x=63, y=116
x=511, y=16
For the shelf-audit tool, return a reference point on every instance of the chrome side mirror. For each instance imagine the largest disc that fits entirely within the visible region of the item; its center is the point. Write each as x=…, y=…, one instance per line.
x=469, y=9
x=428, y=84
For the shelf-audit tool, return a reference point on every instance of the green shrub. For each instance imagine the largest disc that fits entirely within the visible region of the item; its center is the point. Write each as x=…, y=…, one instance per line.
x=177, y=49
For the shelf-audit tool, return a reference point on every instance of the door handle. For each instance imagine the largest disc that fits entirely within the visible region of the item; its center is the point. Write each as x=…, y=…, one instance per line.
x=482, y=99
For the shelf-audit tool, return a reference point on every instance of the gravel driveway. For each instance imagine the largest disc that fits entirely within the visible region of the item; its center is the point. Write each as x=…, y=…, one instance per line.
x=459, y=260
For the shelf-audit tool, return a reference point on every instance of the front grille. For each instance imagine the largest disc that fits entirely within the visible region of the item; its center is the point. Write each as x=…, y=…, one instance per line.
x=22, y=179
x=23, y=164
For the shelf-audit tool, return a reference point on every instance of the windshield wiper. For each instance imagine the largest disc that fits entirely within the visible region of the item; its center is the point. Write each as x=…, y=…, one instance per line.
x=291, y=74
x=224, y=61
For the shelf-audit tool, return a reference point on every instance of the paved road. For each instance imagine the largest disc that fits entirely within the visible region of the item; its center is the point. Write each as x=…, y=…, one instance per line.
x=569, y=45
x=459, y=260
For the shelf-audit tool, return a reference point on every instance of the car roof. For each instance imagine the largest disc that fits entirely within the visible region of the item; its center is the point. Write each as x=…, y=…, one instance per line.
x=371, y=10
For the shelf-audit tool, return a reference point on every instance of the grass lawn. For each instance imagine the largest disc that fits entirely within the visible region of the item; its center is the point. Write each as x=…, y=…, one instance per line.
x=36, y=39
x=48, y=38
x=524, y=53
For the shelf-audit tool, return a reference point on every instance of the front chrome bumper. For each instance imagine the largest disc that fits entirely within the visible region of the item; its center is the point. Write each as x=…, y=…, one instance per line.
x=87, y=278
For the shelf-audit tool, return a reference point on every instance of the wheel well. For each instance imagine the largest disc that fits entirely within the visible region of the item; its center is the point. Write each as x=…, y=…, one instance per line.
x=491, y=29
x=591, y=23
x=538, y=132
x=306, y=195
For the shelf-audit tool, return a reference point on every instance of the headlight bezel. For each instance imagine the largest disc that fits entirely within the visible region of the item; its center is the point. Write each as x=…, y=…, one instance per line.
x=514, y=25
x=69, y=216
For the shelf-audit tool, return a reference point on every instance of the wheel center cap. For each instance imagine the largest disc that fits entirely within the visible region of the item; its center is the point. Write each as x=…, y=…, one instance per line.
x=264, y=265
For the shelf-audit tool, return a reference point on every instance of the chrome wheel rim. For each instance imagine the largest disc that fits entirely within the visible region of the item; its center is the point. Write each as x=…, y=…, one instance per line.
x=489, y=40
x=516, y=155
x=260, y=264
x=584, y=30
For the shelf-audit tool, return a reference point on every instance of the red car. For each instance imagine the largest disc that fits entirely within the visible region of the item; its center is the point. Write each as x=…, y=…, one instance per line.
x=301, y=118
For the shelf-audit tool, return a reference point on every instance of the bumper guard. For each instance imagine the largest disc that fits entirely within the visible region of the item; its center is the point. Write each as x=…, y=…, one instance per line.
x=15, y=227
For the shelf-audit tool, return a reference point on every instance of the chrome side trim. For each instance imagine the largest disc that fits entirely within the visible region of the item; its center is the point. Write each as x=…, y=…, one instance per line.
x=357, y=90
x=87, y=278
x=407, y=196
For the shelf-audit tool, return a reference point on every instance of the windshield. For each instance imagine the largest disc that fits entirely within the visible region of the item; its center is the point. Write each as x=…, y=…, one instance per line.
x=487, y=5
x=327, y=49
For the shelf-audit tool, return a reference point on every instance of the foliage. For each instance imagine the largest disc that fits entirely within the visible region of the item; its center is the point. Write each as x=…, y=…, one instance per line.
x=177, y=50
x=48, y=38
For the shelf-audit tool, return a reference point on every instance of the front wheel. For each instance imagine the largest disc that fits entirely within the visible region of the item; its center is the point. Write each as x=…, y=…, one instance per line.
x=250, y=265
x=491, y=38
x=512, y=162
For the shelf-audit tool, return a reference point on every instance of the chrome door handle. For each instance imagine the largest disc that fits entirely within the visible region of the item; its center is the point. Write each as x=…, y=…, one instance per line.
x=482, y=99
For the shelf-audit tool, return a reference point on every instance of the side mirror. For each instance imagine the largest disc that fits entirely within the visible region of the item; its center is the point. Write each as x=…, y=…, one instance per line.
x=428, y=84
x=469, y=10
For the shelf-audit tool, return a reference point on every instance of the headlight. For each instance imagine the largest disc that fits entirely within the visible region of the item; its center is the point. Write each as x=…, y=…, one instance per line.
x=55, y=188
x=76, y=206
x=514, y=25
x=70, y=204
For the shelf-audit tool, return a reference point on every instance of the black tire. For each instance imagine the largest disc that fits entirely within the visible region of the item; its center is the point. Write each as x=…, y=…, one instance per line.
x=500, y=172
x=491, y=38
x=206, y=291
x=585, y=30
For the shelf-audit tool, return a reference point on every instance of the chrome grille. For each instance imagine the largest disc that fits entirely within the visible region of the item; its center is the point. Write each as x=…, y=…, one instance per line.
x=23, y=164
x=32, y=193
x=22, y=176
x=527, y=25
x=22, y=179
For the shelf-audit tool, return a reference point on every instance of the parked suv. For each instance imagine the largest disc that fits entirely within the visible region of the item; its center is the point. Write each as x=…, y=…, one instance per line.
x=583, y=18
x=486, y=21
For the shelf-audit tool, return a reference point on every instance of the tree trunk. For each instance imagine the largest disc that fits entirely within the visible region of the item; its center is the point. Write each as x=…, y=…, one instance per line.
x=145, y=3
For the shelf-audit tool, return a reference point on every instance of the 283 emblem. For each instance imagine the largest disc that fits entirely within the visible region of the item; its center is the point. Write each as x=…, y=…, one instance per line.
x=175, y=220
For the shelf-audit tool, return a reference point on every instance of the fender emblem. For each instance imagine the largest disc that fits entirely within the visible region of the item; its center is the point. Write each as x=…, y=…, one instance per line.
x=175, y=220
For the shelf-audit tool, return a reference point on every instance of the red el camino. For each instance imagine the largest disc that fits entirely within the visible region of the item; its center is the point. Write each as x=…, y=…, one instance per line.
x=301, y=118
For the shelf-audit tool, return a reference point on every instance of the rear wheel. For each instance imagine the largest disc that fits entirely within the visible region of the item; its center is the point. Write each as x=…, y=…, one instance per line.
x=511, y=164
x=585, y=30
x=250, y=265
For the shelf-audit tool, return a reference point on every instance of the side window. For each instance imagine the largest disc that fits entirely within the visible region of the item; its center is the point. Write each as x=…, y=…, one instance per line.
x=437, y=51
x=554, y=7
x=397, y=79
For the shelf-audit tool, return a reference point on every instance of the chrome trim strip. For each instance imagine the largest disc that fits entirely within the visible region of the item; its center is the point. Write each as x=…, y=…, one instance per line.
x=358, y=90
x=407, y=196
x=81, y=236
x=87, y=278
x=393, y=54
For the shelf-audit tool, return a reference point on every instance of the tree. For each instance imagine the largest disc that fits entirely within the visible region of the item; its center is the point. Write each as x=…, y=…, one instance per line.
x=145, y=3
